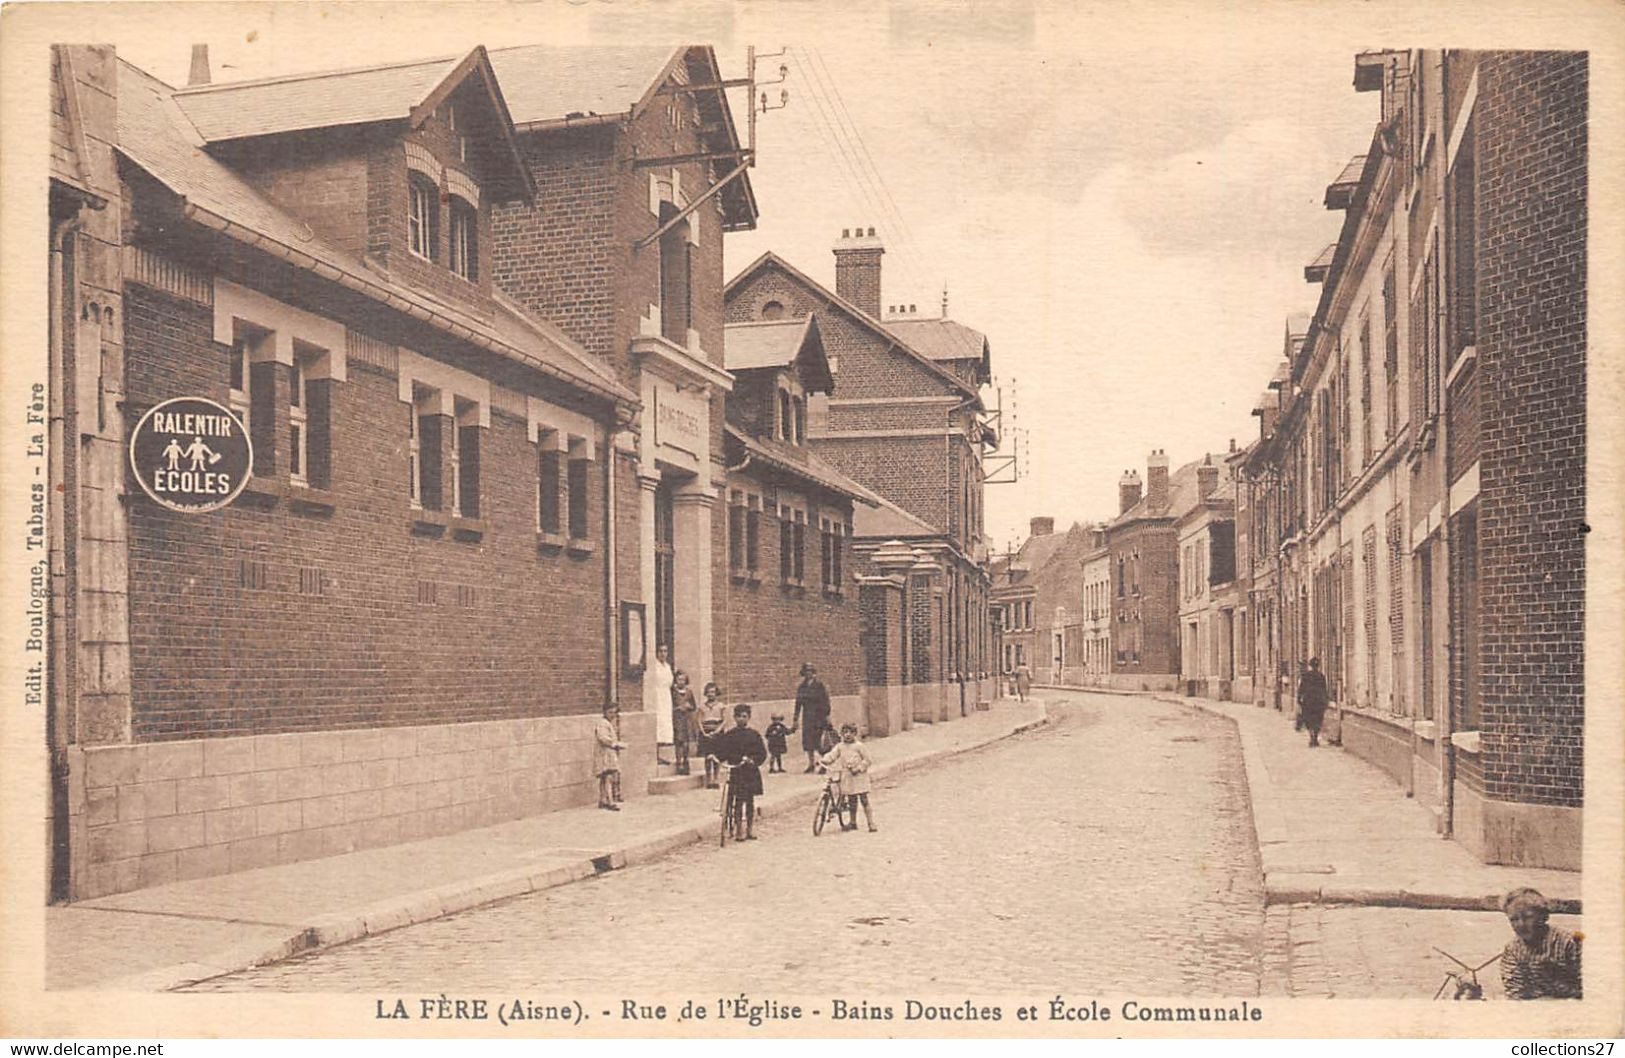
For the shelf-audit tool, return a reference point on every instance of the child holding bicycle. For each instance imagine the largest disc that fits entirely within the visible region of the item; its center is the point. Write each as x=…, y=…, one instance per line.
x=742, y=748
x=851, y=761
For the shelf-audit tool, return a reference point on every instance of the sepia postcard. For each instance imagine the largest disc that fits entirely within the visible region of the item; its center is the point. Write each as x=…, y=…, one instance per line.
x=982, y=519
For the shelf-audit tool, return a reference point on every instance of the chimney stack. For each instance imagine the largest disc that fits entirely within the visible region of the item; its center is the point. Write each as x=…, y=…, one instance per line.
x=857, y=268
x=1207, y=477
x=200, y=66
x=1128, y=490
x=1156, y=479
x=1041, y=526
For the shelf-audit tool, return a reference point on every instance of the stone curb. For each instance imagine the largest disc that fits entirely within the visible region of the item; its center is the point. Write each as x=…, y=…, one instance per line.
x=1271, y=830
x=429, y=904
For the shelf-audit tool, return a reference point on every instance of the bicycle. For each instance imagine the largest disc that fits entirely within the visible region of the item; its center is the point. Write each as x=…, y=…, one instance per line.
x=731, y=809
x=832, y=803
x=1463, y=983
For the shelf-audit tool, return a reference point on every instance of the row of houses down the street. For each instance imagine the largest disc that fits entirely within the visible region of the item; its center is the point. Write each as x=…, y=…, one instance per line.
x=1418, y=487
x=511, y=430
x=1412, y=512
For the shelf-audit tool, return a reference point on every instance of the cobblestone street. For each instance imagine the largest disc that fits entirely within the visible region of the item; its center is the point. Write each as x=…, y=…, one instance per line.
x=1110, y=851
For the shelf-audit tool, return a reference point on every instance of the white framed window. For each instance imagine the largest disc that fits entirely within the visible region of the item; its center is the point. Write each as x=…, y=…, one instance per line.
x=455, y=472
x=414, y=458
x=422, y=216
x=457, y=132
x=299, y=422
x=465, y=253
x=240, y=380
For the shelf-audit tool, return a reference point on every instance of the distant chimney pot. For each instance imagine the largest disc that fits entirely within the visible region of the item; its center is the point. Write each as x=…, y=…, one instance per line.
x=1041, y=526
x=846, y=233
x=200, y=65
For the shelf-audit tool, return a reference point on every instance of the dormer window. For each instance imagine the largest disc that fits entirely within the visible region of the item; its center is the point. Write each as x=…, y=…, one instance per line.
x=456, y=132
x=464, y=231
x=422, y=216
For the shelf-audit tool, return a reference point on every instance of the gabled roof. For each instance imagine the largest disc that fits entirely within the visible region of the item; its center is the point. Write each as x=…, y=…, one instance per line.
x=155, y=136
x=858, y=315
x=798, y=462
x=410, y=92
x=552, y=86
x=946, y=340
x=887, y=521
x=778, y=344
x=1182, y=496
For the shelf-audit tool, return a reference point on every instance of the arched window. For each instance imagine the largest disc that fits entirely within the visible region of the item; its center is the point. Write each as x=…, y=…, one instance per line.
x=773, y=310
x=465, y=245
x=422, y=216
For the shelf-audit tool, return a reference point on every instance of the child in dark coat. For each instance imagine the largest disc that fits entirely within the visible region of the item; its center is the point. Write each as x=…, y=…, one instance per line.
x=778, y=742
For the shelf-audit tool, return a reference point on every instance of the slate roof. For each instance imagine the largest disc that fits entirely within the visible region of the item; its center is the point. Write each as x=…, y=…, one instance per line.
x=544, y=82
x=1182, y=495
x=862, y=318
x=236, y=109
x=155, y=135
x=887, y=521
x=778, y=344
x=943, y=339
x=801, y=463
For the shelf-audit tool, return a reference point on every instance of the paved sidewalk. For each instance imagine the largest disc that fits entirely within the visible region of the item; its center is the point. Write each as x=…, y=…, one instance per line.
x=1333, y=829
x=166, y=936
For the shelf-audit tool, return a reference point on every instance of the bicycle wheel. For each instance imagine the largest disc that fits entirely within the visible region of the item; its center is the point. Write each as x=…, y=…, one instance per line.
x=727, y=812
x=822, y=815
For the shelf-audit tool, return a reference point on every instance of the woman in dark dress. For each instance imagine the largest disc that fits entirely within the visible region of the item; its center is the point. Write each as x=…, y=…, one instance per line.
x=812, y=713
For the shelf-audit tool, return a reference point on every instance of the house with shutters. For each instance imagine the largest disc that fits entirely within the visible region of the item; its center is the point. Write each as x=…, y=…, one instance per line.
x=1420, y=477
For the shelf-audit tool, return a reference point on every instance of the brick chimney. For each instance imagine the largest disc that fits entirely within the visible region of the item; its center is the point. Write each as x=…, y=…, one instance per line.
x=1041, y=526
x=1128, y=490
x=857, y=268
x=200, y=66
x=1156, y=478
x=1207, y=477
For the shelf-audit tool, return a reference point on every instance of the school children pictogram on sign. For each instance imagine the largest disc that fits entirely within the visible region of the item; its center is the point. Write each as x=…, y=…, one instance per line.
x=191, y=455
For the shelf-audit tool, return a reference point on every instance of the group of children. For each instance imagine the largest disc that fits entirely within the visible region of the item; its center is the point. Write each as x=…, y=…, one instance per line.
x=740, y=747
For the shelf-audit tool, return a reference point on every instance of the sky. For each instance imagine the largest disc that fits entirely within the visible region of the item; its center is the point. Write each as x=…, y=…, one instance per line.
x=1122, y=197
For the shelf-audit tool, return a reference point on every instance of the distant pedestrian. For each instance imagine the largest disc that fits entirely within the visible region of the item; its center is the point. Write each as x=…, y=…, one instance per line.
x=660, y=673
x=712, y=717
x=852, y=759
x=812, y=712
x=606, y=757
x=1024, y=680
x=743, y=749
x=1312, y=699
x=1541, y=961
x=683, y=711
x=778, y=743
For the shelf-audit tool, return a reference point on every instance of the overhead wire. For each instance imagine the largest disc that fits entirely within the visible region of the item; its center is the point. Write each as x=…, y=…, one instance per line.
x=905, y=233
x=869, y=189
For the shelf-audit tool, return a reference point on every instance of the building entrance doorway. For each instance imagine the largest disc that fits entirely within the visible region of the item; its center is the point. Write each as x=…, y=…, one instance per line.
x=665, y=582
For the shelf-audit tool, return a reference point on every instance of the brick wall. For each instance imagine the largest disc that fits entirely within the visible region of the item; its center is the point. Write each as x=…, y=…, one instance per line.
x=257, y=620
x=909, y=471
x=1157, y=604
x=556, y=257
x=1531, y=124
x=318, y=177
x=762, y=632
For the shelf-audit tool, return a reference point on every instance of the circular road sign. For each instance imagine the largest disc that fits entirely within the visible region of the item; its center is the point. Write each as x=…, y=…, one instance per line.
x=191, y=455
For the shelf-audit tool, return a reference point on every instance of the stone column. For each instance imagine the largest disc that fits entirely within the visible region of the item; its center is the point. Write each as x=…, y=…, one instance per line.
x=647, y=484
x=880, y=634
x=893, y=560
x=691, y=517
x=925, y=635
